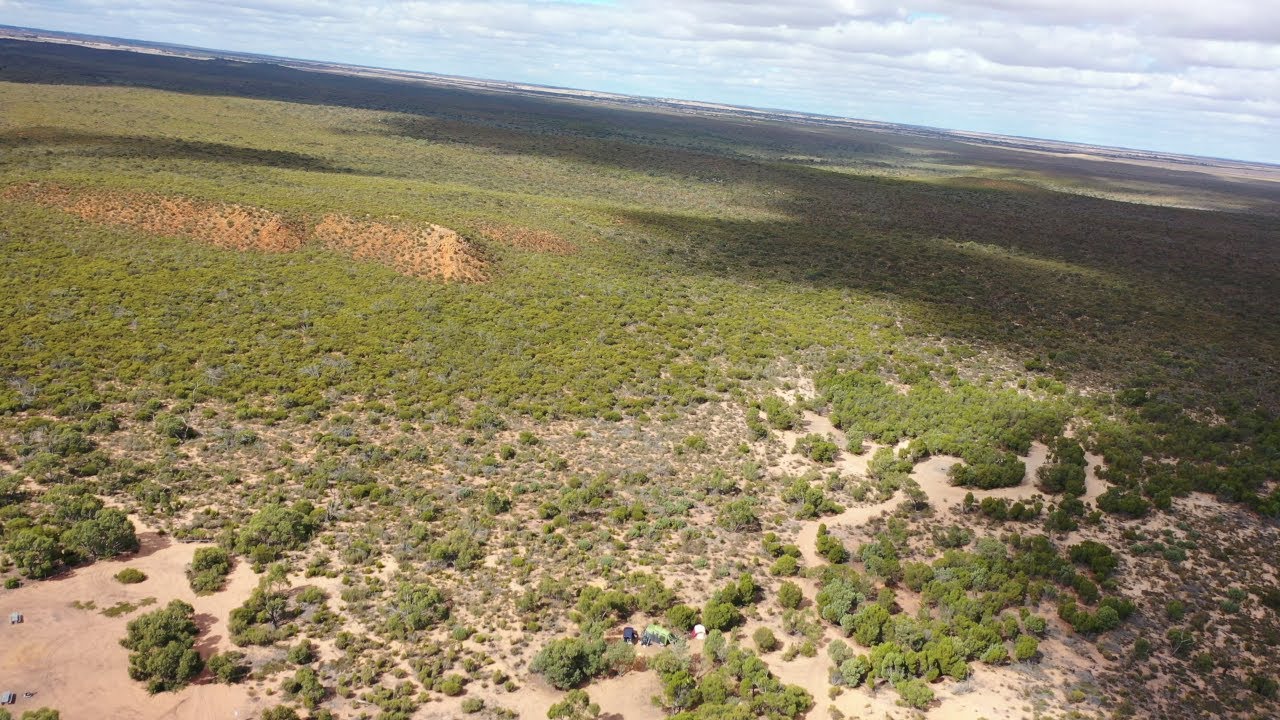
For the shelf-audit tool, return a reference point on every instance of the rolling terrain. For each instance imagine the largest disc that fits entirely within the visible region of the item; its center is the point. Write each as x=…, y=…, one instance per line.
x=413, y=391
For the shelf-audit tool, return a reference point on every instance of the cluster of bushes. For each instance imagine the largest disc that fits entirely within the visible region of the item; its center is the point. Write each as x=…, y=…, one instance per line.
x=788, y=555
x=414, y=608
x=808, y=499
x=988, y=469
x=818, y=448
x=1002, y=509
x=1231, y=460
x=570, y=662
x=984, y=426
x=276, y=529
x=640, y=591
x=75, y=527
x=1065, y=469
x=736, y=684
x=738, y=515
x=974, y=592
x=779, y=414
x=829, y=546
x=209, y=569
x=721, y=611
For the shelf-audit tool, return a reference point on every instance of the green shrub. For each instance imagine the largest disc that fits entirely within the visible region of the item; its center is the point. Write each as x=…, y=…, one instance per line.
x=453, y=685
x=130, y=576
x=683, y=617
x=738, y=516
x=785, y=566
x=765, y=640
x=720, y=616
x=1264, y=685
x=817, y=448
x=914, y=693
x=306, y=688
x=569, y=662
x=162, y=645
x=172, y=426
x=1025, y=648
x=789, y=595
x=208, y=570
x=228, y=667
x=576, y=705
x=415, y=607
x=303, y=653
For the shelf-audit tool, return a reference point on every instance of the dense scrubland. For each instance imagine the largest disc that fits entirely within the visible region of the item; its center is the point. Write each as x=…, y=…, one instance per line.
x=910, y=425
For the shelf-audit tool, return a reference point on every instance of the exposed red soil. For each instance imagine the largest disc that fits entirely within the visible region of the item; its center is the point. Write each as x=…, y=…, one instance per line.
x=426, y=251
x=527, y=239
x=224, y=225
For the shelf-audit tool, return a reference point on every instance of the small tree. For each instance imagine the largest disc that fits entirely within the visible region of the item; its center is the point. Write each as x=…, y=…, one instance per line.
x=109, y=533
x=163, y=645
x=569, y=662
x=35, y=553
x=914, y=692
x=720, y=616
x=304, y=653
x=683, y=617
x=306, y=687
x=415, y=607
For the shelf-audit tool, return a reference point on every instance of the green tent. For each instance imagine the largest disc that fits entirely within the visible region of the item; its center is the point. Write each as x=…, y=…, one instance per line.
x=660, y=633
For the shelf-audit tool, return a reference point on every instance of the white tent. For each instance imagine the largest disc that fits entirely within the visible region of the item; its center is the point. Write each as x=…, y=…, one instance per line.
x=699, y=632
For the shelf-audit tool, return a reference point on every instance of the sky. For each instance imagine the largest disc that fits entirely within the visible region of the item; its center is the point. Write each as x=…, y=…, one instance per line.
x=1190, y=76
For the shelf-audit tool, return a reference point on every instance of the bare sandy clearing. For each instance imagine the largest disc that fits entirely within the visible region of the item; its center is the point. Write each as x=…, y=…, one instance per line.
x=72, y=660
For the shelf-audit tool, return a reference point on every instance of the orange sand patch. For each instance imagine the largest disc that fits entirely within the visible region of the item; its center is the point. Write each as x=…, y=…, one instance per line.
x=526, y=239
x=224, y=225
x=428, y=251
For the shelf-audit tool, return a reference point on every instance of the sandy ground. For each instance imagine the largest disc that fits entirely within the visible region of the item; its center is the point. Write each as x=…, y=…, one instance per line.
x=72, y=660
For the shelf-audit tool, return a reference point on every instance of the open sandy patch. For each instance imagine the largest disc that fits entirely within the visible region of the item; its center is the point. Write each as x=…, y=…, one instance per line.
x=71, y=659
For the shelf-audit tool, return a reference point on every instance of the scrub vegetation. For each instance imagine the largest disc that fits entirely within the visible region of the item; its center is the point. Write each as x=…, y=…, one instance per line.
x=898, y=419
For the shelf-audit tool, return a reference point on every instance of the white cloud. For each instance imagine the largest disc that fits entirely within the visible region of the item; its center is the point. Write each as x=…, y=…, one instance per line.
x=1188, y=75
